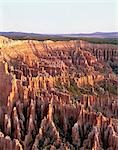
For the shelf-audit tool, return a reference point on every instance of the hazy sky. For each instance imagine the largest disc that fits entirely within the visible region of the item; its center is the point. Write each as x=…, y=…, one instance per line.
x=59, y=16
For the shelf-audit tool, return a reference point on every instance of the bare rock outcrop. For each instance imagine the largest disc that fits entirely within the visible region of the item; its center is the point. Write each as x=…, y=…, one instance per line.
x=58, y=95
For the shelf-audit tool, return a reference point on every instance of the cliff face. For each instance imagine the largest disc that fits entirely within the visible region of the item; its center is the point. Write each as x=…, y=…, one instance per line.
x=58, y=95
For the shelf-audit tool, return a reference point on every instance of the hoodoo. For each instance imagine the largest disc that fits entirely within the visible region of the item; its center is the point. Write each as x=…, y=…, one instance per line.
x=58, y=95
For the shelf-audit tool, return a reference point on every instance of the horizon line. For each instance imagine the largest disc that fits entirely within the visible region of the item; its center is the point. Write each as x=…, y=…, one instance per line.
x=59, y=33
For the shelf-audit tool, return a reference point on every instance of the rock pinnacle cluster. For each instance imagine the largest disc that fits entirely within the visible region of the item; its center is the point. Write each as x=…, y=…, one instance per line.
x=59, y=95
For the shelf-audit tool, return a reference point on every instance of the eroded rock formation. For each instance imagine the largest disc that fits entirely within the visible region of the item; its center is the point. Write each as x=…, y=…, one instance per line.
x=58, y=95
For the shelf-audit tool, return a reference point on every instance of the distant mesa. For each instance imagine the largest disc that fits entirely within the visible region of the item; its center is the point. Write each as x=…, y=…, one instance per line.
x=35, y=35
